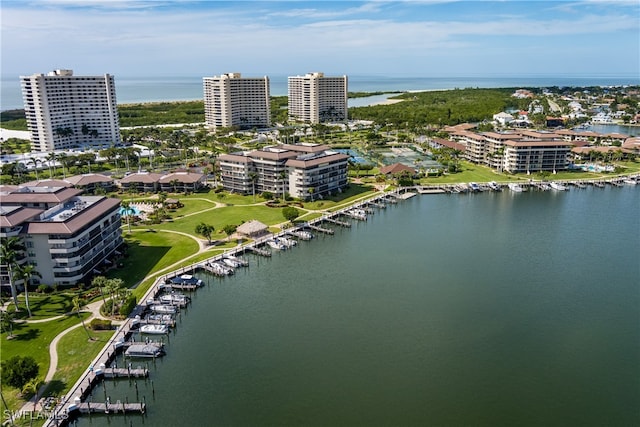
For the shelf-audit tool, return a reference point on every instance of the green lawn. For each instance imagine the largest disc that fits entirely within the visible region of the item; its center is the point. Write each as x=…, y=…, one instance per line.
x=150, y=251
x=227, y=215
x=33, y=339
x=74, y=352
x=44, y=306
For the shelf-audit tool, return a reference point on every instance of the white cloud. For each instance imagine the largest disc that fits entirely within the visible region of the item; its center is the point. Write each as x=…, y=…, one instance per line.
x=142, y=38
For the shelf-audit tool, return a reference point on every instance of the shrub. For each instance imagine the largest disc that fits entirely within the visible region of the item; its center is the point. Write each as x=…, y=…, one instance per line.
x=101, y=325
x=18, y=370
x=128, y=306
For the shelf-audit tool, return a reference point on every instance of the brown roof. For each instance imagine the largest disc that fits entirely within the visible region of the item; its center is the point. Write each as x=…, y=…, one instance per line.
x=238, y=158
x=396, y=168
x=251, y=227
x=31, y=195
x=10, y=216
x=501, y=136
x=144, y=177
x=76, y=222
x=450, y=144
x=90, y=178
x=317, y=160
x=47, y=183
x=183, y=177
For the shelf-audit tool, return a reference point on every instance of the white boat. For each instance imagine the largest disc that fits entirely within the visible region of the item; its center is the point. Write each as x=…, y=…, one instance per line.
x=557, y=186
x=357, y=214
x=231, y=263
x=288, y=242
x=303, y=234
x=494, y=186
x=167, y=319
x=164, y=309
x=175, y=298
x=276, y=244
x=220, y=269
x=630, y=181
x=239, y=261
x=150, y=350
x=545, y=187
x=515, y=187
x=154, y=329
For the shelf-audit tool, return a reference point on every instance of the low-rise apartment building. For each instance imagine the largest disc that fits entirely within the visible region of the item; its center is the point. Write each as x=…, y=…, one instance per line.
x=305, y=171
x=68, y=237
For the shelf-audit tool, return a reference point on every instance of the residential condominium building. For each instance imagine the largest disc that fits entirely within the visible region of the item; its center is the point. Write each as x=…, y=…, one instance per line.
x=67, y=237
x=233, y=100
x=304, y=171
x=314, y=98
x=522, y=151
x=64, y=111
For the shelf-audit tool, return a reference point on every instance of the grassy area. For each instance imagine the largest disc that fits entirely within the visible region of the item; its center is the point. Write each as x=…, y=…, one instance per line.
x=225, y=216
x=152, y=251
x=33, y=339
x=74, y=350
x=43, y=306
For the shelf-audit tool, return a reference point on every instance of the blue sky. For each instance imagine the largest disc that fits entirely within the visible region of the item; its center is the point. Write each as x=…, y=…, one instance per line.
x=386, y=38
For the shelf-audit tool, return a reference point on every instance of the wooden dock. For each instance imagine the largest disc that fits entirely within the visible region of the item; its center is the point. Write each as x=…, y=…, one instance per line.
x=111, y=408
x=259, y=251
x=320, y=229
x=338, y=222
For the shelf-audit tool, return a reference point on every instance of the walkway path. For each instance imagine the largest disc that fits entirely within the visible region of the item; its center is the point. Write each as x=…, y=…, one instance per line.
x=94, y=309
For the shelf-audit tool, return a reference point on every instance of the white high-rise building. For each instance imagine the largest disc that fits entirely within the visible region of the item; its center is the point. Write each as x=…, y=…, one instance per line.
x=314, y=98
x=233, y=100
x=64, y=111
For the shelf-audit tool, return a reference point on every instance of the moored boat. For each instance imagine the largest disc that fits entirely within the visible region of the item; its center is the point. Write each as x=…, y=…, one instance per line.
x=154, y=329
x=163, y=309
x=186, y=279
x=149, y=350
x=517, y=188
x=558, y=186
x=275, y=243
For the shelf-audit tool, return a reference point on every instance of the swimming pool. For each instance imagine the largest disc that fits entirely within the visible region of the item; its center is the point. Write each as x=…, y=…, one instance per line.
x=132, y=210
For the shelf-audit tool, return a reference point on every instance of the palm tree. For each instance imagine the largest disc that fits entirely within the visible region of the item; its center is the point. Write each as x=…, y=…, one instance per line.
x=205, y=230
x=78, y=304
x=31, y=387
x=100, y=282
x=127, y=211
x=10, y=249
x=51, y=161
x=35, y=162
x=113, y=285
x=6, y=322
x=281, y=176
x=26, y=272
x=174, y=183
x=253, y=177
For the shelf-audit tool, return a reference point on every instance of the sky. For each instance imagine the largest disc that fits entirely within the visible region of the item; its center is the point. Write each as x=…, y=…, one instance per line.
x=428, y=38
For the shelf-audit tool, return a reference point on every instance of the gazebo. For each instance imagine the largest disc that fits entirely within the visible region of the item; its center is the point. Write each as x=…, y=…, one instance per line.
x=252, y=229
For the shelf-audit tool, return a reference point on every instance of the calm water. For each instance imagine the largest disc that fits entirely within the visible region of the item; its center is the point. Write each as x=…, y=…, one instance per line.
x=444, y=310
x=180, y=88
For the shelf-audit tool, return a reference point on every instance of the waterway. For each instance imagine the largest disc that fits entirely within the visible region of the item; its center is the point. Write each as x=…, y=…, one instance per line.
x=484, y=309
